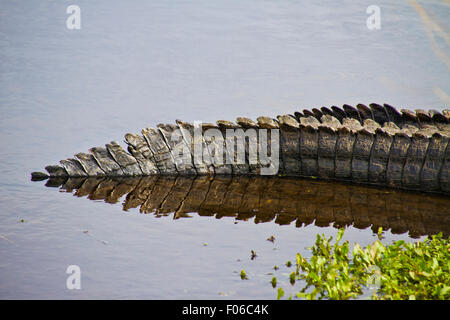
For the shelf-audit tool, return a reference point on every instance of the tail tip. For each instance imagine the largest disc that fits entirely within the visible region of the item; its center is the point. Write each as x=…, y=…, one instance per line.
x=38, y=176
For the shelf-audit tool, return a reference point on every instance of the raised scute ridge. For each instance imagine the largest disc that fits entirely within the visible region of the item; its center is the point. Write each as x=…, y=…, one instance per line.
x=374, y=144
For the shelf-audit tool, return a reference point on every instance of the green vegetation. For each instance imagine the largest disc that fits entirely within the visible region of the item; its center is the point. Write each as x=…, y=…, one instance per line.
x=243, y=275
x=274, y=282
x=401, y=270
x=292, y=278
x=280, y=293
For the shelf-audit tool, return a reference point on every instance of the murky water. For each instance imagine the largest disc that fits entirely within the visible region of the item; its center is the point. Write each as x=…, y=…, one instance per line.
x=137, y=63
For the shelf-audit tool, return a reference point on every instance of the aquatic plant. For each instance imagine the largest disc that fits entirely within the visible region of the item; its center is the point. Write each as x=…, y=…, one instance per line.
x=418, y=270
x=274, y=282
x=280, y=293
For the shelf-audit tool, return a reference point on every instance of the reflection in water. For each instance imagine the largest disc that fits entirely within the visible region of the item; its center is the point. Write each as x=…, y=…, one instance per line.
x=284, y=200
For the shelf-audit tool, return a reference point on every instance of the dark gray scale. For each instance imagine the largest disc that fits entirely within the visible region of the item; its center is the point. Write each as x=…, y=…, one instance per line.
x=251, y=143
x=38, y=176
x=317, y=113
x=362, y=150
x=424, y=118
x=338, y=113
x=380, y=155
x=410, y=118
x=344, y=148
x=379, y=113
x=106, y=161
x=394, y=115
x=445, y=171
x=229, y=129
x=429, y=175
x=89, y=164
x=181, y=152
x=327, y=146
x=196, y=144
x=270, y=159
x=161, y=153
x=327, y=111
x=298, y=115
x=73, y=168
x=147, y=164
x=309, y=136
x=139, y=149
x=126, y=161
x=437, y=117
x=351, y=112
x=216, y=148
x=308, y=113
x=56, y=171
x=364, y=112
x=440, y=120
x=397, y=158
x=415, y=158
x=290, y=146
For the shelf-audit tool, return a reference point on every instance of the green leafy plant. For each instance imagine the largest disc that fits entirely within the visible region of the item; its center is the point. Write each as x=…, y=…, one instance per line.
x=274, y=282
x=401, y=270
x=280, y=293
x=292, y=278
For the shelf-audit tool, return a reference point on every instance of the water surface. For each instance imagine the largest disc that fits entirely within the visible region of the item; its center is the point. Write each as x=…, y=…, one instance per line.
x=137, y=63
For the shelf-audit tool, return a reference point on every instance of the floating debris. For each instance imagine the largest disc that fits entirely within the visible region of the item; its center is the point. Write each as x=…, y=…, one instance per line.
x=3, y=237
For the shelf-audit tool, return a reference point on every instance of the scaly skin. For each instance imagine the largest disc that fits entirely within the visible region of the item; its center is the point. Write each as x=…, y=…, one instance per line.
x=374, y=145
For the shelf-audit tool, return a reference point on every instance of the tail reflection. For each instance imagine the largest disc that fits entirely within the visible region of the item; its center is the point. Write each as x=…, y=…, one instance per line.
x=268, y=198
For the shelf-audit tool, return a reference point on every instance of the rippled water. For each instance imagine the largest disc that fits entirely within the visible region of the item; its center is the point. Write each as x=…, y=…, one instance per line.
x=137, y=63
